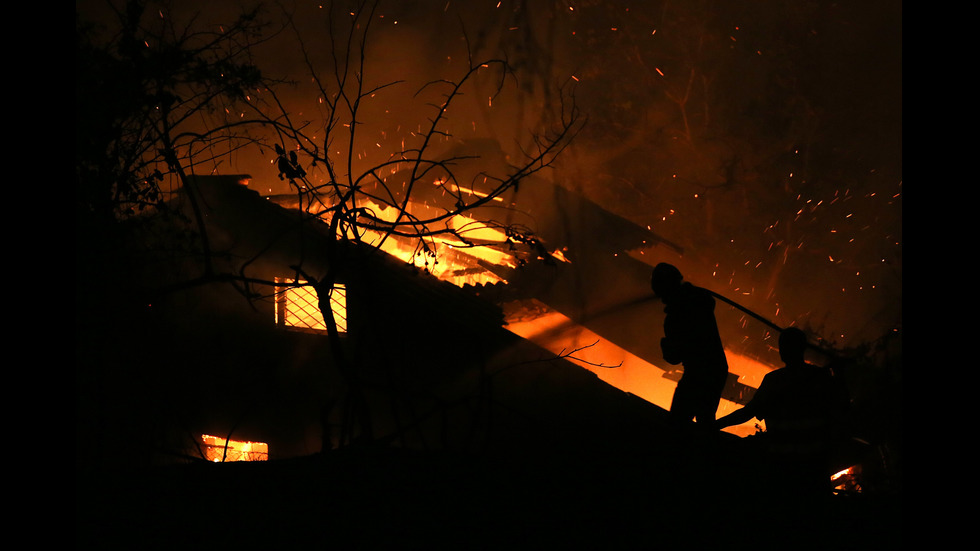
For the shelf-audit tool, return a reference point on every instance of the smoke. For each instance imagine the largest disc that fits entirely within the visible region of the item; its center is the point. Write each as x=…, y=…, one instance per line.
x=764, y=140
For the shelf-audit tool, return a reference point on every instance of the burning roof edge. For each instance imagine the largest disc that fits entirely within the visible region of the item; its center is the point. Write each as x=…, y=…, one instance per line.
x=245, y=214
x=553, y=198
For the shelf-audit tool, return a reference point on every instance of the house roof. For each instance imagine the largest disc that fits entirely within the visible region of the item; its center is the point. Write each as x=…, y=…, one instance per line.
x=402, y=297
x=256, y=231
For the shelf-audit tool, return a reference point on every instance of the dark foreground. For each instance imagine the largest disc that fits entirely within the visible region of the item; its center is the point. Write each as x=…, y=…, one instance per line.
x=389, y=499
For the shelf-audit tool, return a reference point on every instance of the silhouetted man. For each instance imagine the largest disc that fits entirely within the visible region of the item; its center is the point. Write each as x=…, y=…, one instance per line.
x=802, y=406
x=691, y=338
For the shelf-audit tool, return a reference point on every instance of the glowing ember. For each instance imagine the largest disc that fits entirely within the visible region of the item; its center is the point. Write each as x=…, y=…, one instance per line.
x=847, y=480
x=218, y=449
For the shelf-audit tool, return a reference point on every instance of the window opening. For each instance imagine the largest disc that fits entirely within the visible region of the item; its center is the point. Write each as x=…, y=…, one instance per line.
x=298, y=307
x=214, y=450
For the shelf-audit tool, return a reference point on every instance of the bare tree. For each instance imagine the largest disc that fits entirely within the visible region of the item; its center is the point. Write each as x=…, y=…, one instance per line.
x=157, y=101
x=375, y=204
x=183, y=99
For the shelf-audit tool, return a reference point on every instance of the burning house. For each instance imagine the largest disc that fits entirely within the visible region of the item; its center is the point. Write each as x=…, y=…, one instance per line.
x=247, y=358
x=245, y=371
x=527, y=324
x=435, y=348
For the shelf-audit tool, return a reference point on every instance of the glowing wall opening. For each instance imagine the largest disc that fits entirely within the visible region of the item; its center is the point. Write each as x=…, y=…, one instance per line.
x=298, y=307
x=217, y=450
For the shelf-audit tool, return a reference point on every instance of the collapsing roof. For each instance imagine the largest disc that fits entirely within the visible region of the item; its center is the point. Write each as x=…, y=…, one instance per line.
x=438, y=342
x=584, y=263
x=436, y=362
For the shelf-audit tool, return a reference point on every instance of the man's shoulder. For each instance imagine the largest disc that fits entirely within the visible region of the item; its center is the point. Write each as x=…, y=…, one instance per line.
x=795, y=379
x=773, y=377
x=782, y=377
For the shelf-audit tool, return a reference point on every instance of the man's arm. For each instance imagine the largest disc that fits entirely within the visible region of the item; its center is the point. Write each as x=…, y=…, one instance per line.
x=759, y=406
x=736, y=417
x=670, y=351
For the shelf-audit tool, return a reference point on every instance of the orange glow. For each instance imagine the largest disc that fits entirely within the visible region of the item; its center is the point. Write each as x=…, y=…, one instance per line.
x=559, y=255
x=454, y=260
x=451, y=259
x=559, y=334
x=236, y=450
x=299, y=307
x=460, y=189
x=847, y=480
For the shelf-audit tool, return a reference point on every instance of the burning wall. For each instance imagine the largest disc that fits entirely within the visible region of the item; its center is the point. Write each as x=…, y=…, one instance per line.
x=218, y=450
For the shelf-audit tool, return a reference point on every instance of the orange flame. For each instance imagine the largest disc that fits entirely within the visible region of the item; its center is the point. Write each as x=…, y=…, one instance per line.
x=218, y=449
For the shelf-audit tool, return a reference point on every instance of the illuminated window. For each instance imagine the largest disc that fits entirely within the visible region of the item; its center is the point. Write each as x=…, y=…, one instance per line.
x=218, y=449
x=297, y=306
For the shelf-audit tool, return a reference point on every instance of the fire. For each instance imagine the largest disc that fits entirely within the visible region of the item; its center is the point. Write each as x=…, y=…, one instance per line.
x=215, y=450
x=445, y=256
x=463, y=251
x=560, y=255
x=559, y=334
x=460, y=189
x=450, y=260
x=847, y=480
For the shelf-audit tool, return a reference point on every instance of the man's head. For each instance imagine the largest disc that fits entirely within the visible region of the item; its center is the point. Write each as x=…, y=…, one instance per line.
x=665, y=280
x=792, y=345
